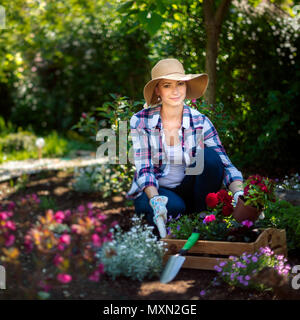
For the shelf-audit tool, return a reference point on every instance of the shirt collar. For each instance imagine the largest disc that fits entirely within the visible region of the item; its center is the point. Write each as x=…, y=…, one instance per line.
x=155, y=121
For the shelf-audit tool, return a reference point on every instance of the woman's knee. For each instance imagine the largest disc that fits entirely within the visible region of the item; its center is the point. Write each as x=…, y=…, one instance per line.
x=175, y=204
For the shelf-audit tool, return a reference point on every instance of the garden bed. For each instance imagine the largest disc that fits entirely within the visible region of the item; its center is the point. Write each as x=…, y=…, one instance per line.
x=206, y=254
x=186, y=286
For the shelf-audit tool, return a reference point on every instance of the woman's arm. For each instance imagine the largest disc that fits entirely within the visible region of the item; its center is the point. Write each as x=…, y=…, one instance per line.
x=146, y=179
x=236, y=186
x=151, y=191
x=233, y=178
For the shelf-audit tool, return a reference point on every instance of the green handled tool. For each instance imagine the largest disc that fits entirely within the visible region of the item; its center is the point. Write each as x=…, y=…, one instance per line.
x=175, y=262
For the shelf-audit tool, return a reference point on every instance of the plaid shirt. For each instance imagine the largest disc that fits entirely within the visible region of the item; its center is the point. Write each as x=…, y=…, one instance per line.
x=149, y=155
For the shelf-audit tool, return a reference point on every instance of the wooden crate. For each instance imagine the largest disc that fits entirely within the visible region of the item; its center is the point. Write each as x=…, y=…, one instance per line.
x=206, y=254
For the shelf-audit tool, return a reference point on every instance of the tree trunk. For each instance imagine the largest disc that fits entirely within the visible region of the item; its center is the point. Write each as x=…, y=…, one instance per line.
x=213, y=22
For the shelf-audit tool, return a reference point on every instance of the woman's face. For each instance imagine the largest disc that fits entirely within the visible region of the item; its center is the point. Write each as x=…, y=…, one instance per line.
x=171, y=92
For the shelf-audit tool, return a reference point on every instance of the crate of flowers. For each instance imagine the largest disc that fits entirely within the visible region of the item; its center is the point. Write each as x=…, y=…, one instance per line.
x=219, y=234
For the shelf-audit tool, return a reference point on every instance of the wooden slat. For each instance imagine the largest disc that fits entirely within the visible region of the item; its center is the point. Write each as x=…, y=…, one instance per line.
x=211, y=247
x=203, y=263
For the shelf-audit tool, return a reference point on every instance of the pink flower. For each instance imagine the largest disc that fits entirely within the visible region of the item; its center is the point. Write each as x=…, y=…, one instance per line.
x=10, y=240
x=64, y=278
x=76, y=228
x=90, y=205
x=101, y=217
x=209, y=218
x=65, y=239
x=28, y=243
x=11, y=206
x=95, y=276
x=3, y=215
x=96, y=240
x=10, y=225
x=67, y=213
x=81, y=208
x=114, y=223
x=83, y=115
x=101, y=268
x=58, y=260
x=59, y=216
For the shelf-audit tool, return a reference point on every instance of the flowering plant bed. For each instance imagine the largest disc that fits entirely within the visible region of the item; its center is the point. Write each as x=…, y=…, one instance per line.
x=206, y=254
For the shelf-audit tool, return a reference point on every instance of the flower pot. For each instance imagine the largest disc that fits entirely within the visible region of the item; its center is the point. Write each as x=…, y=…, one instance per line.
x=242, y=212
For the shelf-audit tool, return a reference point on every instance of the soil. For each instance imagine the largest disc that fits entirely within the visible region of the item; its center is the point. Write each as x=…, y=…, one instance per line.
x=186, y=286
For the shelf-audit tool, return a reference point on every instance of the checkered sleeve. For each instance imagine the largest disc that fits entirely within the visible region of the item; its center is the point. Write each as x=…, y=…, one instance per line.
x=211, y=139
x=142, y=155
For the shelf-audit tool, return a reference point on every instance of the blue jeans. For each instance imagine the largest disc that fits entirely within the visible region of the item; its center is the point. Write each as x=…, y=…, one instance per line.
x=189, y=196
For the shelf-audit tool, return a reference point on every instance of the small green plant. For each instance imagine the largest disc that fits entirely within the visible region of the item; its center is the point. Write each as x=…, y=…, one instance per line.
x=289, y=183
x=48, y=203
x=135, y=254
x=22, y=182
x=110, y=179
x=283, y=215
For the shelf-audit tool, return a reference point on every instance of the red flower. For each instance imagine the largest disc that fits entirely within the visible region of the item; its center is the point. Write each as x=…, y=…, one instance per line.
x=264, y=189
x=212, y=200
x=227, y=210
x=224, y=197
x=246, y=190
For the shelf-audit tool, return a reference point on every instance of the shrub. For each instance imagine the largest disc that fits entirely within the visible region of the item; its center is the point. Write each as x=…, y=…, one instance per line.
x=283, y=215
x=18, y=142
x=135, y=254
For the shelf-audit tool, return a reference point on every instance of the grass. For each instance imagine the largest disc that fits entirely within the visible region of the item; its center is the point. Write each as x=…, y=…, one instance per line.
x=56, y=146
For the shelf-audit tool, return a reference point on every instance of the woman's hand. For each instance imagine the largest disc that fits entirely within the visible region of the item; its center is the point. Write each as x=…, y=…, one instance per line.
x=236, y=197
x=158, y=204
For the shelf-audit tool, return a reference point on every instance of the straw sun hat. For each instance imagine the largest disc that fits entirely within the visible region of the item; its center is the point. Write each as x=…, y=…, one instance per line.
x=172, y=69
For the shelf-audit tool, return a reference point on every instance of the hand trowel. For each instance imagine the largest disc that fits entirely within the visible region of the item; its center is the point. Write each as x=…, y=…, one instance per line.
x=175, y=262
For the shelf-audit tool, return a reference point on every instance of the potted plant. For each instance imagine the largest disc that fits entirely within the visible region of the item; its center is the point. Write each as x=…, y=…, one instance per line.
x=258, y=191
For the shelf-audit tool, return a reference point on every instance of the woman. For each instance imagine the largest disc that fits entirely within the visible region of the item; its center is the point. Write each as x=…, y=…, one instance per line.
x=165, y=141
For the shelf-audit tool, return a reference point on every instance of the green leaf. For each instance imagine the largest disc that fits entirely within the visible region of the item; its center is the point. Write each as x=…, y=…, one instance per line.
x=142, y=17
x=125, y=7
x=154, y=23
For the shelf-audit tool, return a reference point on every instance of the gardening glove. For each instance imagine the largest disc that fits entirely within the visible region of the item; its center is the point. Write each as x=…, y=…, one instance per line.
x=158, y=204
x=236, y=197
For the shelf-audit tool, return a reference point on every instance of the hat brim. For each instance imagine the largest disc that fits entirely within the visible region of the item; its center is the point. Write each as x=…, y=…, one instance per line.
x=196, y=86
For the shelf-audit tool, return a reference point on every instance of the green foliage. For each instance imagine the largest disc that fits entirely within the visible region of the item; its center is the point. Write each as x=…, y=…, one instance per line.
x=47, y=203
x=283, y=215
x=22, y=182
x=18, y=142
x=21, y=145
x=110, y=179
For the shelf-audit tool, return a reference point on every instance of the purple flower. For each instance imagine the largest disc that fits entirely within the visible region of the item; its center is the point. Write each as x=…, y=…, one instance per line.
x=247, y=223
x=202, y=293
x=254, y=259
x=179, y=215
x=217, y=268
x=178, y=228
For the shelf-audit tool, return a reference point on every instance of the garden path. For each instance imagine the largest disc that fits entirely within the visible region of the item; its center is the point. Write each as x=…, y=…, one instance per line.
x=13, y=169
